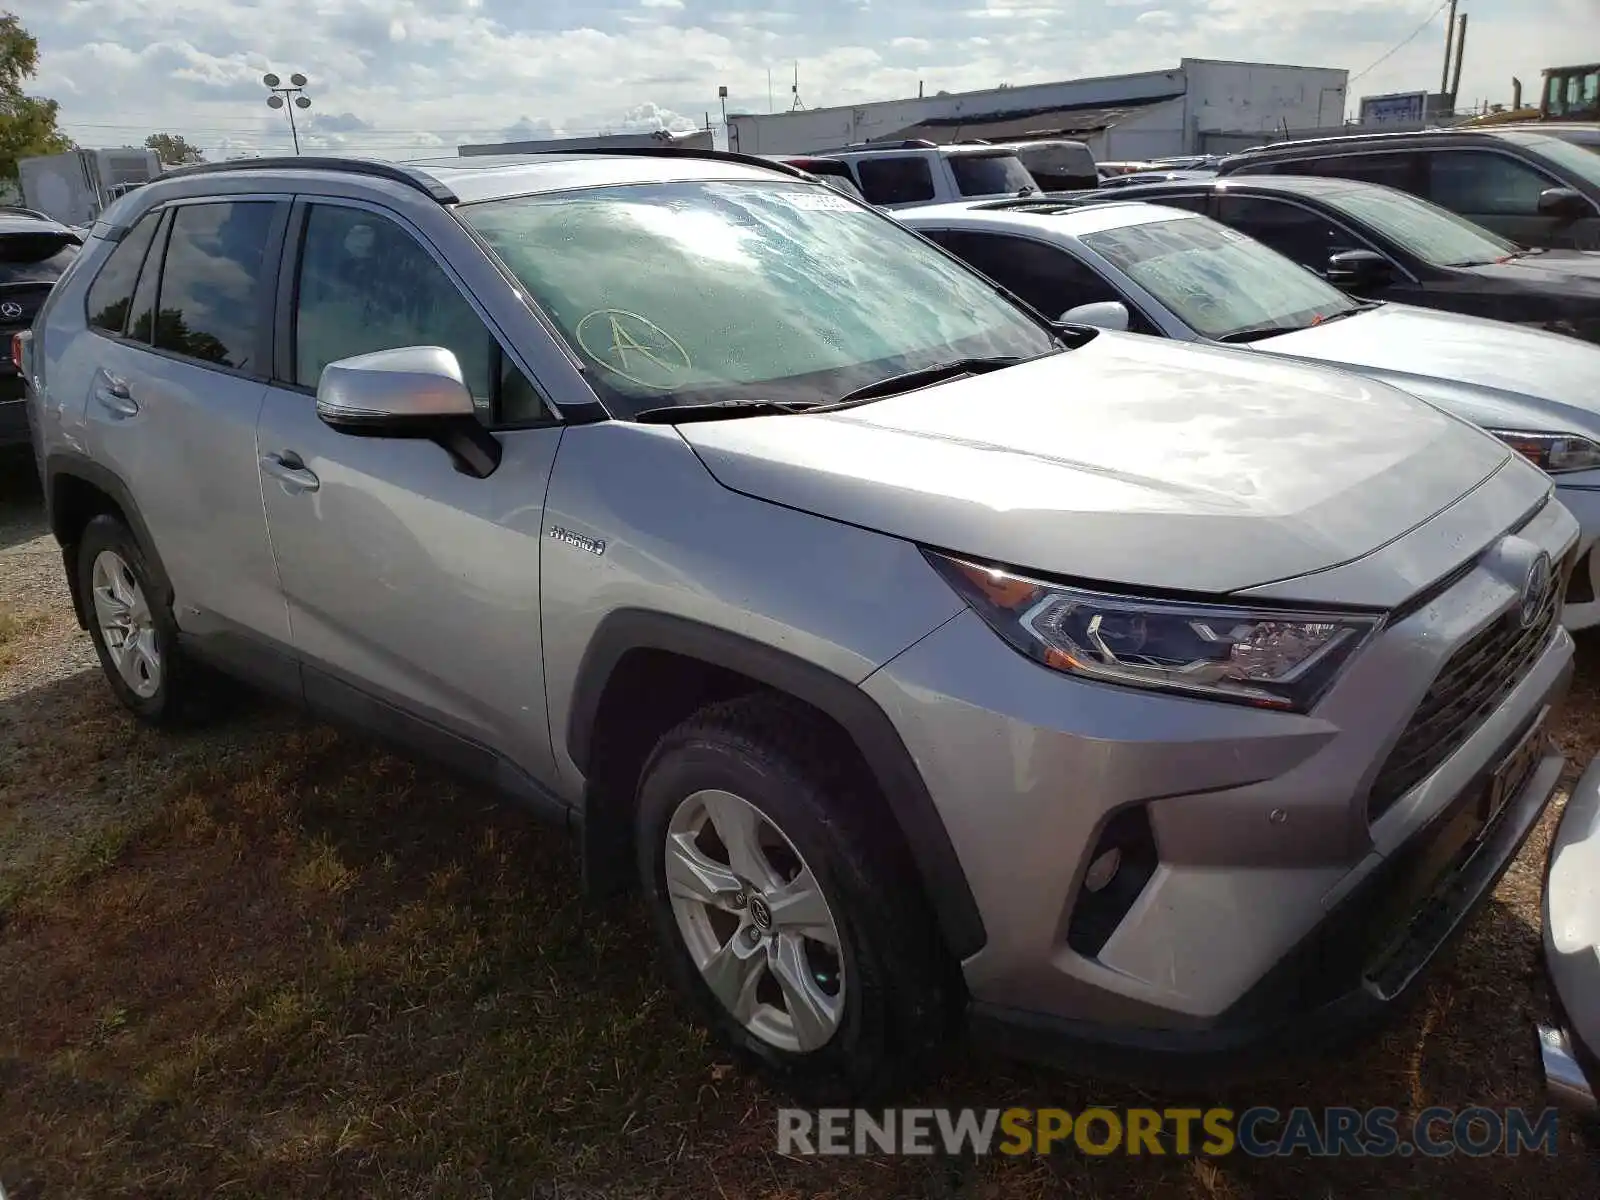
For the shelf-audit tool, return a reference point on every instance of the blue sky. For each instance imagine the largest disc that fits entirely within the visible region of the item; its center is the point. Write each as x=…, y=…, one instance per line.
x=407, y=77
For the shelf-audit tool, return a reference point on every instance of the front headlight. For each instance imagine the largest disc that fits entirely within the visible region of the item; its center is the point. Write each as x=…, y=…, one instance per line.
x=1270, y=658
x=1552, y=452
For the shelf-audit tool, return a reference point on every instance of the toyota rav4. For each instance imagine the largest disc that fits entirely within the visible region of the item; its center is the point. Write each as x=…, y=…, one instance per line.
x=919, y=661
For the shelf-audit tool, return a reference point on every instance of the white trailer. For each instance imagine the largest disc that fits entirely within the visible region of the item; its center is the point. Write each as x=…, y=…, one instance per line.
x=75, y=187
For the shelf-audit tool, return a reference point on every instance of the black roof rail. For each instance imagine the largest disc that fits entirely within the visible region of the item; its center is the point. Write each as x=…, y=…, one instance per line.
x=316, y=162
x=733, y=156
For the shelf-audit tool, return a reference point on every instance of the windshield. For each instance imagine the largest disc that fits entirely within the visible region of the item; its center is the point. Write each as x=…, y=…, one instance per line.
x=990, y=174
x=1582, y=161
x=1216, y=280
x=1435, y=235
x=698, y=292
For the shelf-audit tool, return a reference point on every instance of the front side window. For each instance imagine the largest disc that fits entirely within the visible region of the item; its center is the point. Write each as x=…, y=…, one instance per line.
x=111, y=293
x=904, y=179
x=1296, y=232
x=1046, y=277
x=991, y=175
x=1391, y=168
x=686, y=293
x=1433, y=234
x=1483, y=183
x=367, y=285
x=1216, y=280
x=210, y=304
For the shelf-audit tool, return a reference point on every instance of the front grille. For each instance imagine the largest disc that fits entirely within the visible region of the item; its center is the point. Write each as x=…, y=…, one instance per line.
x=28, y=297
x=1474, y=681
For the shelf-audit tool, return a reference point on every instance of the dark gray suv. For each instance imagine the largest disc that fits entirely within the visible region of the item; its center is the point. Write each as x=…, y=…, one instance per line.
x=1524, y=184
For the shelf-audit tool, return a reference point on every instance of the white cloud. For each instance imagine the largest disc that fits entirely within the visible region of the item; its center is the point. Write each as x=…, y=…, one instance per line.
x=414, y=73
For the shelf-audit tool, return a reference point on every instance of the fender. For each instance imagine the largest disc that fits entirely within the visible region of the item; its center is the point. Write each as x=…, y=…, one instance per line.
x=866, y=724
x=69, y=464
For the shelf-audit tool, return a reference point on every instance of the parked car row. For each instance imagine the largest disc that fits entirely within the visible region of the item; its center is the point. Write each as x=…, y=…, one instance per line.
x=925, y=655
x=1176, y=274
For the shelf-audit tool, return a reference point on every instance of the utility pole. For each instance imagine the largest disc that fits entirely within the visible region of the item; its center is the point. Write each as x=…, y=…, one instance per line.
x=288, y=98
x=1461, y=50
x=1449, y=35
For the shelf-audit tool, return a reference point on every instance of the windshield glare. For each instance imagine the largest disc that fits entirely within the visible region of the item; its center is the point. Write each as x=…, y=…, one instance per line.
x=990, y=174
x=1216, y=280
x=696, y=292
x=1435, y=235
x=1582, y=161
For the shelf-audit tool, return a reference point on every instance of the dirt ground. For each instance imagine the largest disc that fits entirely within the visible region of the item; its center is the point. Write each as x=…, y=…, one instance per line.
x=264, y=959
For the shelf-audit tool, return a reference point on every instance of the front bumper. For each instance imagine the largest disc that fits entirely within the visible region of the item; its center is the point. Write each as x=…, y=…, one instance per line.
x=1281, y=908
x=1345, y=978
x=1570, y=1047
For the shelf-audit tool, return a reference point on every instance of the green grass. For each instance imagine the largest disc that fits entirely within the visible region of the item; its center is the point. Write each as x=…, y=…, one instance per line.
x=314, y=970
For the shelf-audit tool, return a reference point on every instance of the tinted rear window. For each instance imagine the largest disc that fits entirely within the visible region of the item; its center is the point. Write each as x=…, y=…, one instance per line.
x=26, y=248
x=990, y=175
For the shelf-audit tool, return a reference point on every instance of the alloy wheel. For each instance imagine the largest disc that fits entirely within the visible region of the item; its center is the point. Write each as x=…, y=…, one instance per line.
x=755, y=921
x=126, y=626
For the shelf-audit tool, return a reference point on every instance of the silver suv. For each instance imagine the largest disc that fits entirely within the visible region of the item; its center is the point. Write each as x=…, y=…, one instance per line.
x=919, y=661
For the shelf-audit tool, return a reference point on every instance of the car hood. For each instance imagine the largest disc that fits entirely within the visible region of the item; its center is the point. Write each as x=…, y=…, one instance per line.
x=1546, y=269
x=1130, y=461
x=1488, y=372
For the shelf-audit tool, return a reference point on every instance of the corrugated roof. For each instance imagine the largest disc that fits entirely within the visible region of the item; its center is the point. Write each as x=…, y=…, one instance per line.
x=1068, y=121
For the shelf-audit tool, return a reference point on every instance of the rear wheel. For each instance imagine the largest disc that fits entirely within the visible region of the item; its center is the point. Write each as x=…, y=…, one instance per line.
x=131, y=625
x=790, y=923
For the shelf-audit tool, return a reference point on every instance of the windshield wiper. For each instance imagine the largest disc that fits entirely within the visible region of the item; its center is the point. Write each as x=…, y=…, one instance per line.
x=1256, y=332
x=671, y=414
x=910, y=380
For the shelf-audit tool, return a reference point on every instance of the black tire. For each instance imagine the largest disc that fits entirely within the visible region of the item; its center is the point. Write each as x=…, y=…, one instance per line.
x=902, y=995
x=174, y=699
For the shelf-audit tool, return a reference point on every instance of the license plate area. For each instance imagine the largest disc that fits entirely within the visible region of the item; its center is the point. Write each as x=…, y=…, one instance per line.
x=1514, y=771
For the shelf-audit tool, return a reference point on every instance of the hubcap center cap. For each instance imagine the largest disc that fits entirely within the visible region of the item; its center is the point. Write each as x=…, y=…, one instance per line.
x=760, y=914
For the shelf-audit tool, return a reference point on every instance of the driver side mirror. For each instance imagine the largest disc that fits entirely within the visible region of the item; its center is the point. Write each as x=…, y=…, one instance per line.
x=1565, y=203
x=1102, y=314
x=1354, y=270
x=410, y=392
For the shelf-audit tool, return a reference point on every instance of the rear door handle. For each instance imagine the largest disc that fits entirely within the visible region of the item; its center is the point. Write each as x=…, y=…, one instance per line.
x=288, y=469
x=112, y=395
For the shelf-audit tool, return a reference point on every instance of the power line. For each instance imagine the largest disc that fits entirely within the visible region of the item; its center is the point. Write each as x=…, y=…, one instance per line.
x=1401, y=45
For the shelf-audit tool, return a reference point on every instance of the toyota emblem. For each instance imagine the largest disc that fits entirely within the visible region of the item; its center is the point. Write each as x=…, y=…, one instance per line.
x=10, y=310
x=1535, y=589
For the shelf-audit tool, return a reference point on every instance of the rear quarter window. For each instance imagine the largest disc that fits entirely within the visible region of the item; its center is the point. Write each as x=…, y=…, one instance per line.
x=111, y=293
x=900, y=180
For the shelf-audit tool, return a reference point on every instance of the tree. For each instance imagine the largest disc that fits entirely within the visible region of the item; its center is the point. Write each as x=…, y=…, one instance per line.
x=172, y=149
x=27, y=123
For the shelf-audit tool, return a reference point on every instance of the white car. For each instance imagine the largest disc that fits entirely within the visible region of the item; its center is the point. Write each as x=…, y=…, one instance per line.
x=1176, y=274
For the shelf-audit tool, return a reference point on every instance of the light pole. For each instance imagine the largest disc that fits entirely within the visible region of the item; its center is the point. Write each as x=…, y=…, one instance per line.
x=288, y=98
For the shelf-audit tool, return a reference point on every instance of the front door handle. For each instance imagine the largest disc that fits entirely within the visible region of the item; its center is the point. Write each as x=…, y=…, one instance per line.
x=112, y=395
x=289, y=470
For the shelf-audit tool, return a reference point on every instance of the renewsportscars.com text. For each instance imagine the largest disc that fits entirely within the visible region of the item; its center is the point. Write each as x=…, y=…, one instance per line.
x=1211, y=1132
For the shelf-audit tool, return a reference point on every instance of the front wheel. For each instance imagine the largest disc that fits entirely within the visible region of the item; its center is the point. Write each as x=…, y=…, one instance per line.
x=787, y=920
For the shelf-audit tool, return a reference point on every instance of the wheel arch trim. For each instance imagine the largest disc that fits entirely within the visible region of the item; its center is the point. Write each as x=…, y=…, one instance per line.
x=857, y=714
x=62, y=465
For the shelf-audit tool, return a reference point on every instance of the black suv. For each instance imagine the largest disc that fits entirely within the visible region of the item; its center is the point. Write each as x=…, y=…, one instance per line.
x=34, y=251
x=1522, y=183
